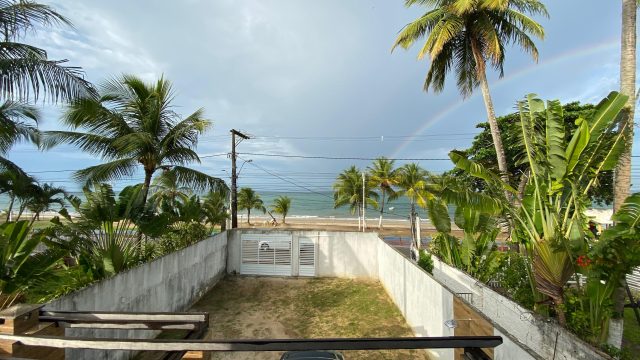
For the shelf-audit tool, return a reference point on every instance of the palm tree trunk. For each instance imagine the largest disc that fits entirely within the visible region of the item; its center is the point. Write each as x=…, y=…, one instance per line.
x=249, y=216
x=622, y=178
x=414, y=235
x=381, y=211
x=491, y=115
x=148, y=174
x=13, y=198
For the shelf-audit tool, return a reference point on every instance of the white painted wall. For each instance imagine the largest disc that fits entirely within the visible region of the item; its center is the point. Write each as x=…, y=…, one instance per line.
x=424, y=303
x=340, y=254
x=542, y=335
x=171, y=283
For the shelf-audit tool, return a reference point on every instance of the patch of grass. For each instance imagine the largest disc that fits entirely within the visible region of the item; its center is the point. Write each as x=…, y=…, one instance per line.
x=245, y=307
x=631, y=333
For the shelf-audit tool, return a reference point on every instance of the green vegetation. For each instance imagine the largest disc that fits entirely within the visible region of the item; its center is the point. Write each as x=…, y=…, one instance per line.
x=353, y=190
x=383, y=176
x=249, y=199
x=132, y=124
x=281, y=205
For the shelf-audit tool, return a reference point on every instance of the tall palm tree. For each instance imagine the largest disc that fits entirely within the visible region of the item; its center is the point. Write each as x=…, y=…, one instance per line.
x=25, y=70
x=348, y=190
x=282, y=205
x=133, y=124
x=384, y=177
x=465, y=35
x=622, y=178
x=249, y=199
x=413, y=184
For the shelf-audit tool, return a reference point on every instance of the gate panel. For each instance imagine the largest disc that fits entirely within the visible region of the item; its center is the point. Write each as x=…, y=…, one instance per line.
x=265, y=254
x=306, y=257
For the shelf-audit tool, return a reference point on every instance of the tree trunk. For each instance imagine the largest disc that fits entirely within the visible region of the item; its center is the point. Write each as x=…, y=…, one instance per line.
x=381, y=211
x=491, y=115
x=558, y=304
x=414, y=234
x=622, y=176
x=148, y=174
x=249, y=216
x=13, y=198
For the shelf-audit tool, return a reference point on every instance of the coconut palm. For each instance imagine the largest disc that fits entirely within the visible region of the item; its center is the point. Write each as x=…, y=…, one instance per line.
x=18, y=123
x=248, y=200
x=348, y=190
x=16, y=185
x=166, y=192
x=465, y=35
x=44, y=198
x=412, y=182
x=215, y=207
x=383, y=177
x=133, y=124
x=26, y=70
x=282, y=205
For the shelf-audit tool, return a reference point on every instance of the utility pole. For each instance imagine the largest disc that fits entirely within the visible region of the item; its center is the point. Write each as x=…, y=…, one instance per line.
x=234, y=186
x=364, y=202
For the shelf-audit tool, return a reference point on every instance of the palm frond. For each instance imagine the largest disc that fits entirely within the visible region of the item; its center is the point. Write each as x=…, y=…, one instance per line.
x=23, y=78
x=114, y=170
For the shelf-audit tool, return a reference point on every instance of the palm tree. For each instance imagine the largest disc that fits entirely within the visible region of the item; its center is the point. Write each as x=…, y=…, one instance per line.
x=17, y=123
x=43, y=198
x=348, y=190
x=17, y=185
x=166, y=191
x=215, y=208
x=249, y=199
x=281, y=205
x=133, y=124
x=383, y=176
x=26, y=70
x=622, y=176
x=413, y=184
x=464, y=35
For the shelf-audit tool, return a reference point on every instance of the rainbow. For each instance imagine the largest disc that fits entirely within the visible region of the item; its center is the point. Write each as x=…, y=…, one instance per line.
x=452, y=107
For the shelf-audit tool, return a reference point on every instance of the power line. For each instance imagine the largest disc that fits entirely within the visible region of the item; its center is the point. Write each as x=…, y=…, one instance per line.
x=343, y=157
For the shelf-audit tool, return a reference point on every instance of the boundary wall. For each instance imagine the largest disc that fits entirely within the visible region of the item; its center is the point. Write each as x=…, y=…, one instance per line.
x=171, y=283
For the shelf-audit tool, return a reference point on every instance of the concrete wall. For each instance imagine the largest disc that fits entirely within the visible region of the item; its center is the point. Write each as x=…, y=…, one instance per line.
x=424, y=303
x=171, y=283
x=542, y=335
x=339, y=254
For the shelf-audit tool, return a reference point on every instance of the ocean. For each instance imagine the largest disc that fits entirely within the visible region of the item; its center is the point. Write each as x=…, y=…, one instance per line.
x=308, y=205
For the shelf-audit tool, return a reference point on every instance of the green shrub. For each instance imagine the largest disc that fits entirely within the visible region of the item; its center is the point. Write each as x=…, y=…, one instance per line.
x=425, y=261
x=514, y=281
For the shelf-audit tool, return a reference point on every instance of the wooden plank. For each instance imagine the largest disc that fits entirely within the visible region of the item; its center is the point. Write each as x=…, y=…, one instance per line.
x=259, y=345
x=126, y=326
x=127, y=316
x=470, y=323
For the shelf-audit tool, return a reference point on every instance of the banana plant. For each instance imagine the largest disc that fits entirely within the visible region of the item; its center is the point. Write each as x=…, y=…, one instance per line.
x=550, y=222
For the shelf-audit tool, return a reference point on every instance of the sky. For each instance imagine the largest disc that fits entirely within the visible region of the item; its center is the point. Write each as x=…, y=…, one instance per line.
x=311, y=79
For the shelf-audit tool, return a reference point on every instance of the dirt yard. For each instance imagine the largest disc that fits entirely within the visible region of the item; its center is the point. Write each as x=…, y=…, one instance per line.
x=249, y=307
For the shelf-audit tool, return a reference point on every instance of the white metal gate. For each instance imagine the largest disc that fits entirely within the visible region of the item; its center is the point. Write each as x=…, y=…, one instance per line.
x=265, y=254
x=306, y=257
